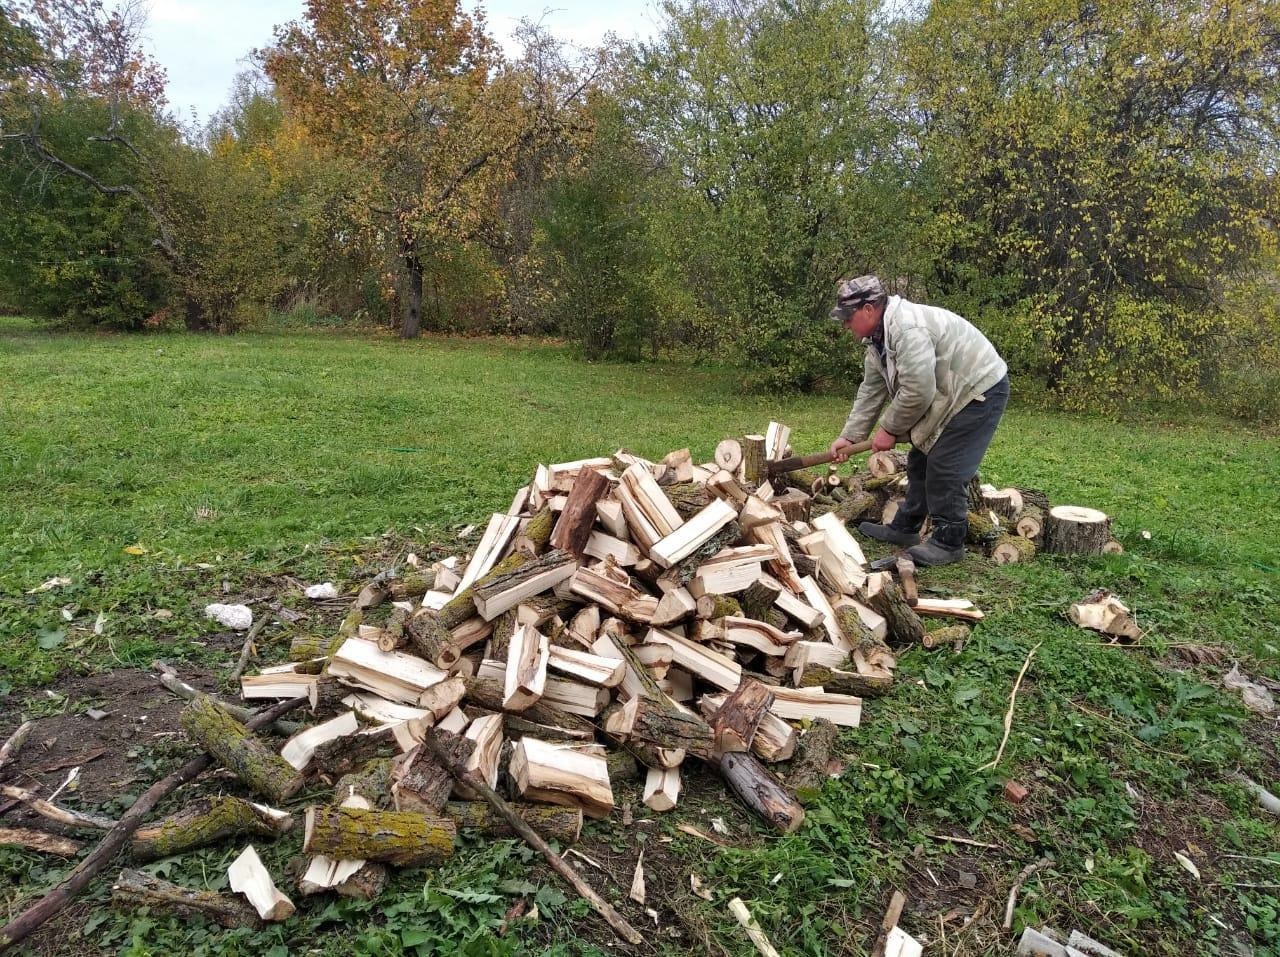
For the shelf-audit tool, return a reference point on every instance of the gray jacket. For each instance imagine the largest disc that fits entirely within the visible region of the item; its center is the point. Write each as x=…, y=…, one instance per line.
x=935, y=363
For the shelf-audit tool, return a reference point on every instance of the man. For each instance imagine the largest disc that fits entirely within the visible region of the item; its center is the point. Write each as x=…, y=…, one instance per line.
x=946, y=387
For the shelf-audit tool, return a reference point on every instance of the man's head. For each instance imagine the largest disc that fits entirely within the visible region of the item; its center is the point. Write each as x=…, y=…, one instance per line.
x=860, y=305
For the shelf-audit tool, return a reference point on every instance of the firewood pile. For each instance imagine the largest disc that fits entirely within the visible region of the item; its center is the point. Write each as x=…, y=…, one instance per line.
x=623, y=620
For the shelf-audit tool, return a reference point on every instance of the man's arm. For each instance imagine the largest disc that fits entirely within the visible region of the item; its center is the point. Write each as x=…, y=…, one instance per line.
x=872, y=395
x=915, y=359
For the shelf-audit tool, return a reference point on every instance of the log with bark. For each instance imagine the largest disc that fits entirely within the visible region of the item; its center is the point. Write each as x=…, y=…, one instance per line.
x=738, y=718
x=1073, y=530
x=759, y=790
x=136, y=889
x=402, y=838
x=809, y=766
x=555, y=822
x=886, y=598
x=205, y=822
x=237, y=749
x=1012, y=549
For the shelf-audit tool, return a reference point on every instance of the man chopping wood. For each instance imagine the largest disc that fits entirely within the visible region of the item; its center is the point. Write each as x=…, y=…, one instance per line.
x=946, y=389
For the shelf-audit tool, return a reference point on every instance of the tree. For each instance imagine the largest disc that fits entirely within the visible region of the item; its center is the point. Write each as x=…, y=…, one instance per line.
x=1104, y=167
x=414, y=94
x=773, y=114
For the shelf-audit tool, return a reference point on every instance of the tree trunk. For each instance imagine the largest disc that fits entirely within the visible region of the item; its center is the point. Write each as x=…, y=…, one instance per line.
x=404, y=839
x=412, y=324
x=205, y=822
x=142, y=890
x=236, y=748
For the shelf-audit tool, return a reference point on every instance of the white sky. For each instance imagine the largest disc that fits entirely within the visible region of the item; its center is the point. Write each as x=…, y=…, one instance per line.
x=202, y=44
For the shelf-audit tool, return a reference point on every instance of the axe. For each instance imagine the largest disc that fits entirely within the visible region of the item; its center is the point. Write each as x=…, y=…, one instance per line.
x=808, y=461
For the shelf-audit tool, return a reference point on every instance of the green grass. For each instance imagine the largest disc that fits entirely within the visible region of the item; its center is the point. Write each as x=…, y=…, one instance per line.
x=227, y=460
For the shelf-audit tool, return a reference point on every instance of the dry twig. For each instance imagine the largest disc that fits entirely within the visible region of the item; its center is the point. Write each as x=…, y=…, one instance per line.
x=1008, y=717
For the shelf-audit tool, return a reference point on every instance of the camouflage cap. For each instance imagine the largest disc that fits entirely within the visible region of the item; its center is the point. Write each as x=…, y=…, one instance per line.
x=854, y=292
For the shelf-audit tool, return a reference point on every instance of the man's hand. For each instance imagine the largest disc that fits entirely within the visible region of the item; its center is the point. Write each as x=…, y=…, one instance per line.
x=882, y=441
x=840, y=449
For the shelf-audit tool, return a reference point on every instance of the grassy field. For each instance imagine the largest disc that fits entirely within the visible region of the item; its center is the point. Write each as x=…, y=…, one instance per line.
x=160, y=473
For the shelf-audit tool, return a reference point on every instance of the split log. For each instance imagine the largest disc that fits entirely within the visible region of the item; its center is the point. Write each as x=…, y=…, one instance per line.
x=401, y=838
x=562, y=774
x=205, y=822
x=555, y=822
x=573, y=528
x=1012, y=549
x=662, y=722
x=757, y=788
x=236, y=748
x=737, y=720
x=1073, y=530
x=886, y=598
x=136, y=889
x=945, y=636
x=809, y=766
x=753, y=460
x=54, y=901
x=326, y=695
x=488, y=693
x=602, y=907
x=662, y=789
x=526, y=674
x=422, y=783
x=428, y=639
x=343, y=755
x=248, y=876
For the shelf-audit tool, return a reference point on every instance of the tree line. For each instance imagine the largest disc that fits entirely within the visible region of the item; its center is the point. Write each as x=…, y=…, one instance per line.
x=1093, y=182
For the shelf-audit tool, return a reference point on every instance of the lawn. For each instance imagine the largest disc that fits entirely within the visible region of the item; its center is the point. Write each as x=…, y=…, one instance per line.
x=159, y=473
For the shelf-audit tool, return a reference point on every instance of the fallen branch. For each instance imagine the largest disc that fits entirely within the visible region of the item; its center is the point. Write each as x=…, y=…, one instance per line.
x=247, y=649
x=53, y=902
x=54, y=813
x=138, y=889
x=1022, y=878
x=1008, y=716
x=1266, y=800
x=39, y=841
x=16, y=740
x=602, y=907
x=169, y=678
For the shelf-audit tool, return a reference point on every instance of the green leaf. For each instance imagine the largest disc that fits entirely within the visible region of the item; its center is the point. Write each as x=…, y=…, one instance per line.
x=413, y=936
x=517, y=887
x=51, y=638
x=966, y=694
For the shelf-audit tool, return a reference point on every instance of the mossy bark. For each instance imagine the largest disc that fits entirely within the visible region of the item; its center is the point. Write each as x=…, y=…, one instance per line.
x=809, y=766
x=410, y=587
x=462, y=605
x=845, y=682
x=537, y=533
x=372, y=782
x=136, y=889
x=856, y=505
x=237, y=749
x=307, y=647
x=405, y=839
x=945, y=636
x=553, y=822
x=689, y=498
x=905, y=627
x=202, y=823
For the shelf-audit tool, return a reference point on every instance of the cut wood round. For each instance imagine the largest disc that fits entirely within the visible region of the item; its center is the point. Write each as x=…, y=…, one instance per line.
x=885, y=463
x=1075, y=530
x=405, y=839
x=729, y=455
x=1030, y=522
x=1011, y=549
x=1005, y=502
x=1113, y=548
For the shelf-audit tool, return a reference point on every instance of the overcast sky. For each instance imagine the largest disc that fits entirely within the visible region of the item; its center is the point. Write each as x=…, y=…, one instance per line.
x=202, y=44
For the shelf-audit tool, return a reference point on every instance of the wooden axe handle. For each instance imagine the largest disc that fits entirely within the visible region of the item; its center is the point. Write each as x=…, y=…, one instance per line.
x=809, y=461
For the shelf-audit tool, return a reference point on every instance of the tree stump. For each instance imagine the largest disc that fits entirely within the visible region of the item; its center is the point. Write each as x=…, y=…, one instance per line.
x=1075, y=530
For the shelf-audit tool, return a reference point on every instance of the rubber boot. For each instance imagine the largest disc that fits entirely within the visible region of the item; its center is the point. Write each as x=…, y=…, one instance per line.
x=887, y=533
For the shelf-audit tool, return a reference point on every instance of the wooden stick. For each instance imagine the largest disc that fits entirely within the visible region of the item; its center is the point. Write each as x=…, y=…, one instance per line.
x=53, y=902
x=53, y=812
x=248, y=646
x=1023, y=877
x=602, y=907
x=1008, y=716
x=892, y=914
x=16, y=740
x=743, y=916
x=40, y=841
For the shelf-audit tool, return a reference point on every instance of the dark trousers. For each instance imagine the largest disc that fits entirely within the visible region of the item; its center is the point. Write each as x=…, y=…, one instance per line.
x=937, y=482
